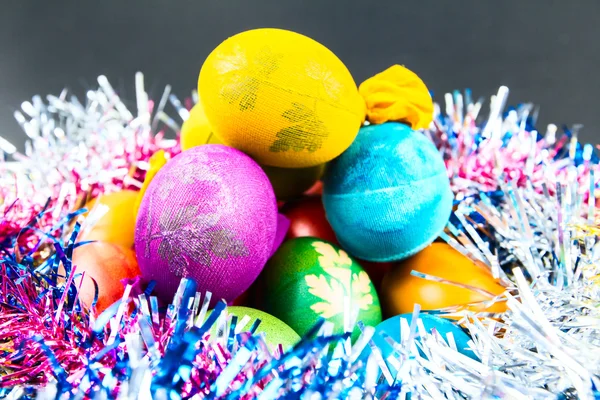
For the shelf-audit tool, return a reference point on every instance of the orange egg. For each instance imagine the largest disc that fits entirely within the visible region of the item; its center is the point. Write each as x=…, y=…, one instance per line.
x=400, y=291
x=107, y=264
x=118, y=224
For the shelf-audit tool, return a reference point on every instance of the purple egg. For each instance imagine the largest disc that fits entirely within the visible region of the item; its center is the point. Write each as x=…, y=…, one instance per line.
x=209, y=214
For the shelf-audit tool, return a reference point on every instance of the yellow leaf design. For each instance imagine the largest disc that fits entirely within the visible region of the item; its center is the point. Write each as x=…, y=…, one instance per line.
x=329, y=257
x=337, y=289
x=363, y=302
x=342, y=283
x=334, y=263
x=361, y=290
x=341, y=274
x=318, y=286
x=323, y=309
x=327, y=252
x=362, y=283
x=343, y=258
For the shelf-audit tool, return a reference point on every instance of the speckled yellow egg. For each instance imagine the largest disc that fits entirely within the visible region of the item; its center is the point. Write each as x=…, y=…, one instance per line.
x=280, y=97
x=309, y=278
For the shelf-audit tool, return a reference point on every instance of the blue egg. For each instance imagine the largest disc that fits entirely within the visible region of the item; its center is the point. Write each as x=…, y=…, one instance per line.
x=388, y=196
x=391, y=327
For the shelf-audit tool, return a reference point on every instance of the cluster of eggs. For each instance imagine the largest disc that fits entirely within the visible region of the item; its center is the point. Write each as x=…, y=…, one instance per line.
x=297, y=191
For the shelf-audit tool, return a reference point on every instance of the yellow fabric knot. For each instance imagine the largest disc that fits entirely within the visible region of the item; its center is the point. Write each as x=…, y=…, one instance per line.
x=157, y=161
x=397, y=94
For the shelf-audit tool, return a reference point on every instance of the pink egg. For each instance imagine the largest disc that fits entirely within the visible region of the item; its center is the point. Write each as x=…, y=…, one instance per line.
x=209, y=214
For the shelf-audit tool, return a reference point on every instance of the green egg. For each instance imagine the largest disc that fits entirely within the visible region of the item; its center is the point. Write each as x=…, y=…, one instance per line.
x=308, y=278
x=276, y=331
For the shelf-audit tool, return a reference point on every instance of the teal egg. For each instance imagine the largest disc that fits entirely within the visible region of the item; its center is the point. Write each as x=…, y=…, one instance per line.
x=387, y=196
x=391, y=327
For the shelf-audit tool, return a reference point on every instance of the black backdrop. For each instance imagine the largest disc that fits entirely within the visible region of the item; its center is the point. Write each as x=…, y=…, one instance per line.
x=546, y=51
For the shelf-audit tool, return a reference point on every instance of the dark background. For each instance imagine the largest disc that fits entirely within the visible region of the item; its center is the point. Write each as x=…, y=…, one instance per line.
x=546, y=52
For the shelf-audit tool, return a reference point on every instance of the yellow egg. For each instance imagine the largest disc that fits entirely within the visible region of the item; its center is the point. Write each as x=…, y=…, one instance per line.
x=117, y=225
x=196, y=130
x=280, y=97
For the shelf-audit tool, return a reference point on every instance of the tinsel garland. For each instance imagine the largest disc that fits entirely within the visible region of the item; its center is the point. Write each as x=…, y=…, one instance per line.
x=524, y=206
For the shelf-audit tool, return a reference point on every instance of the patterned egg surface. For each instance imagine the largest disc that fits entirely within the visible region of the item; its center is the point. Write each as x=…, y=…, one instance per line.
x=281, y=97
x=309, y=278
x=209, y=214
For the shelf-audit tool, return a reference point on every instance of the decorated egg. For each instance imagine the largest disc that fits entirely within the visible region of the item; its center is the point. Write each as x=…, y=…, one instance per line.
x=392, y=327
x=307, y=218
x=289, y=183
x=276, y=331
x=388, y=196
x=309, y=278
x=196, y=131
x=280, y=97
x=400, y=290
x=118, y=223
x=108, y=265
x=210, y=215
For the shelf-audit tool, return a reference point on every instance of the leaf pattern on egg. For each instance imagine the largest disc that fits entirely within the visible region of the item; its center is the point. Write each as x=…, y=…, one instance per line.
x=189, y=236
x=246, y=75
x=341, y=282
x=306, y=132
